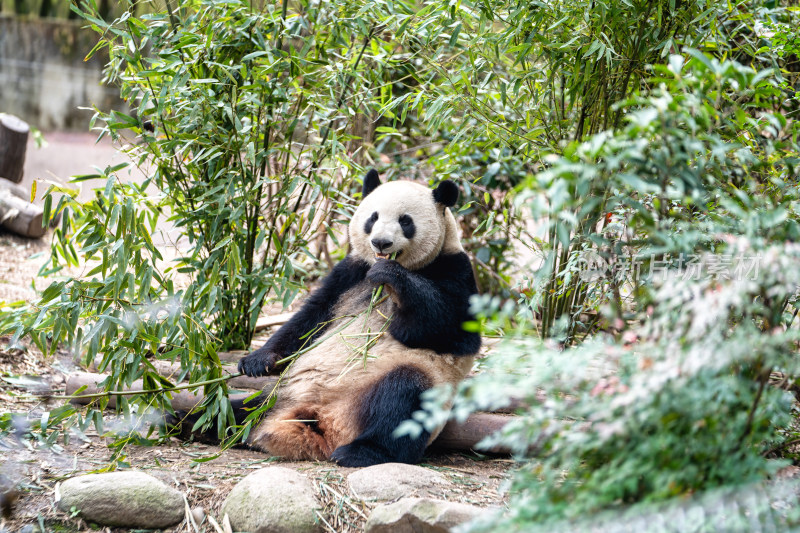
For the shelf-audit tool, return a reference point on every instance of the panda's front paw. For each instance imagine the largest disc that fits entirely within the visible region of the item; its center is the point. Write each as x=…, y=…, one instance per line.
x=385, y=271
x=259, y=363
x=181, y=425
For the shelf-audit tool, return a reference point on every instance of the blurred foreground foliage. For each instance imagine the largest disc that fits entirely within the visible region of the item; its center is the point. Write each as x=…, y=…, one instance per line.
x=665, y=300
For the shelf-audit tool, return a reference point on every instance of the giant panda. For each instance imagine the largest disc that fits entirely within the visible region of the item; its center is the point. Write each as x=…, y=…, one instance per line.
x=334, y=403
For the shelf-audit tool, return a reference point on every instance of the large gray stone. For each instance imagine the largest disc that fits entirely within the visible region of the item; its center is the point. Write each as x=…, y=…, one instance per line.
x=127, y=499
x=272, y=500
x=420, y=515
x=390, y=481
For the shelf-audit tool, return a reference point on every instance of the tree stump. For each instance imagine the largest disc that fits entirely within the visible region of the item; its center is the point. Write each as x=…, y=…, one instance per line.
x=13, y=142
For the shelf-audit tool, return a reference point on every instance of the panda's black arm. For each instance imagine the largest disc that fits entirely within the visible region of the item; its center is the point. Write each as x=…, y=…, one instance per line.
x=432, y=303
x=316, y=310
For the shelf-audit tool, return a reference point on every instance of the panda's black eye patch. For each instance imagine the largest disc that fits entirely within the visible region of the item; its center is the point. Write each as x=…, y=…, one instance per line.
x=373, y=218
x=407, y=225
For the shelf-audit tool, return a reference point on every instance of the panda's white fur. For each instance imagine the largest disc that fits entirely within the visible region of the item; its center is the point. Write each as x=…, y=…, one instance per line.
x=322, y=385
x=323, y=405
x=392, y=200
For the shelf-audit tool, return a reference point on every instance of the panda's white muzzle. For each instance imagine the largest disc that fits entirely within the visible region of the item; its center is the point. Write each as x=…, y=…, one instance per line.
x=386, y=239
x=382, y=247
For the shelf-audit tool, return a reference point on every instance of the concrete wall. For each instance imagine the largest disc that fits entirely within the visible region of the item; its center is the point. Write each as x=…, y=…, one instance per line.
x=44, y=79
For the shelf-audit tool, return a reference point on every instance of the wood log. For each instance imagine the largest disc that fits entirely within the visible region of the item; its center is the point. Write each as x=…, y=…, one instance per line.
x=183, y=400
x=454, y=436
x=513, y=406
x=13, y=143
x=274, y=320
x=466, y=435
x=17, y=214
x=232, y=357
x=172, y=370
x=14, y=189
x=22, y=194
x=77, y=379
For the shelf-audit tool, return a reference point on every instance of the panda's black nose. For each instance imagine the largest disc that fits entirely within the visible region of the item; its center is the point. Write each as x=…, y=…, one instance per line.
x=382, y=244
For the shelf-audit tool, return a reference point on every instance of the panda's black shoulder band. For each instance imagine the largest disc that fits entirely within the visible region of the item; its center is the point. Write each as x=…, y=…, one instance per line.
x=318, y=308
x=434, y=304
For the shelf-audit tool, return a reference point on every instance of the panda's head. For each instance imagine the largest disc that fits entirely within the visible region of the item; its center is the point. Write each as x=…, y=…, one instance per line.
x=405, y=218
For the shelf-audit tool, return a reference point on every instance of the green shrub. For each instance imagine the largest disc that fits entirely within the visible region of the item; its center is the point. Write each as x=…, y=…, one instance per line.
x=520, y=83
x=233, y=96
x=697, y=284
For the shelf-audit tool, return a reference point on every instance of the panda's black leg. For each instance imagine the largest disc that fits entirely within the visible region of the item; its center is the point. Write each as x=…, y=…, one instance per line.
x=184, y=422
x=393, y=400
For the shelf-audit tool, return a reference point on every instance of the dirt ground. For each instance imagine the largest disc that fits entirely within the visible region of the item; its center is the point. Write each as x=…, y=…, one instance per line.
x=36, y=471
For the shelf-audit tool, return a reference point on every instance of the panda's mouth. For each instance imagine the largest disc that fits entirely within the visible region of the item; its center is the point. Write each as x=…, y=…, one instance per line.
x=379, y=255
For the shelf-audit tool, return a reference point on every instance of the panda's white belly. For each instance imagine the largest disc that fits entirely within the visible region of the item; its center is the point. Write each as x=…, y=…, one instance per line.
x=357, y=350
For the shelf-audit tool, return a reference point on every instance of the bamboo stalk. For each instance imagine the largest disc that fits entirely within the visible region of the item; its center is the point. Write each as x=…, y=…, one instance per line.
x=455, y=436
x=236, y=380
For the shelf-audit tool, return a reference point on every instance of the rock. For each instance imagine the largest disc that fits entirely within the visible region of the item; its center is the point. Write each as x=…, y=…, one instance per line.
x=420, y=515
x=125, y=499
x=390, y=481
x=199, y=514
x=272, y=500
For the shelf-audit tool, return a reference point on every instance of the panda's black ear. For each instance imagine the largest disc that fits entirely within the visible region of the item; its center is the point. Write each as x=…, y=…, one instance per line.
x=371, y=182
x=446, y=193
